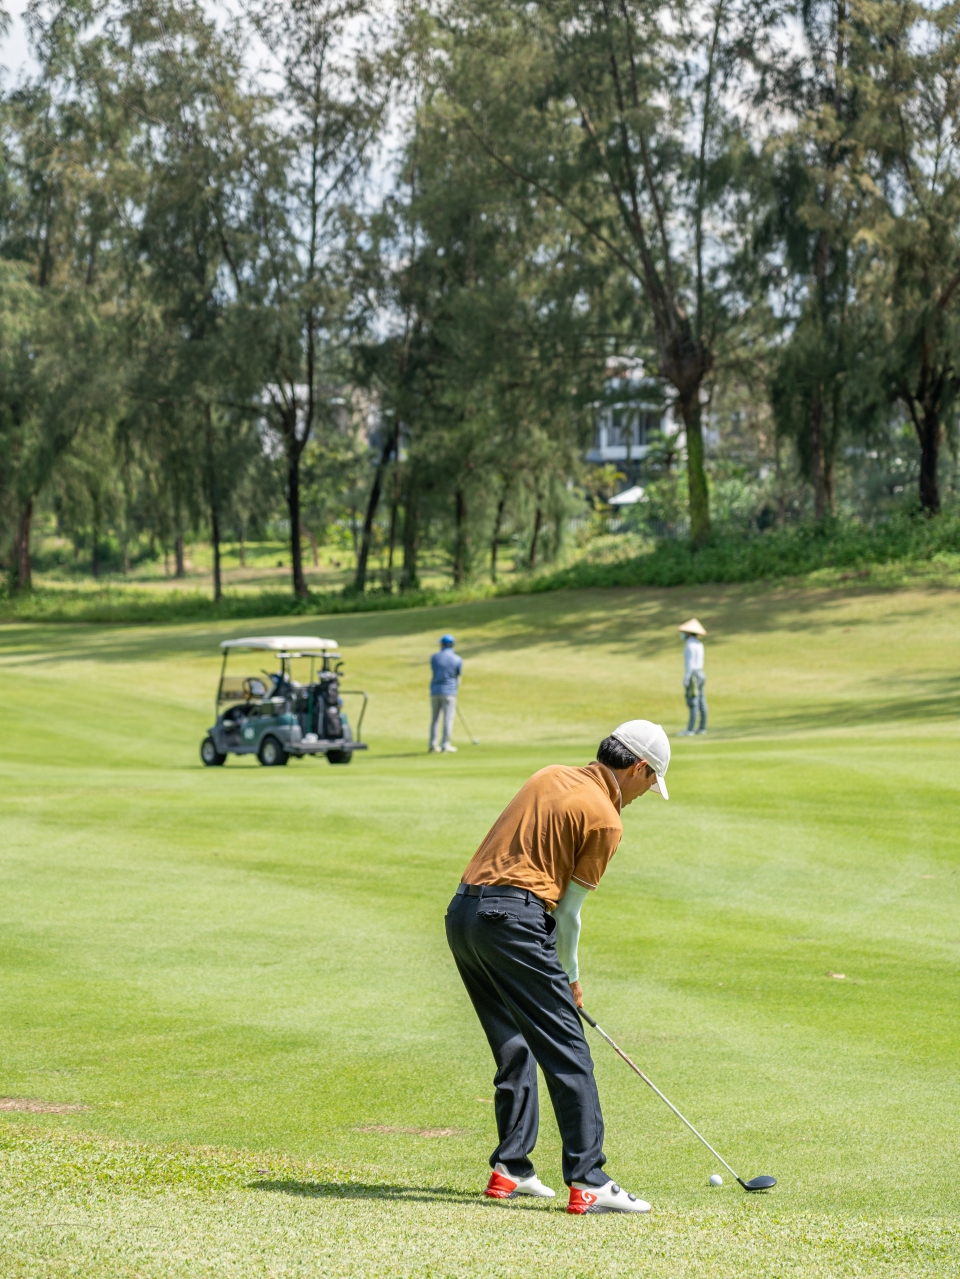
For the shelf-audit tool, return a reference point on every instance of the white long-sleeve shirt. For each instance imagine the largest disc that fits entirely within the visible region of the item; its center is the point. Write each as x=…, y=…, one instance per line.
x=567, y=915
x=692, y=658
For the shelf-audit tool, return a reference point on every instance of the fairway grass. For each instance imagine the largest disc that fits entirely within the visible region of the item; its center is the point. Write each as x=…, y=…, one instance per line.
x=240, y=974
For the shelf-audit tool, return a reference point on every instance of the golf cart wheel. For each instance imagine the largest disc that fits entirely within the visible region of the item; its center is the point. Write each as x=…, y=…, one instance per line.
x=209, y=753
x=271, y=754
x=339, y=757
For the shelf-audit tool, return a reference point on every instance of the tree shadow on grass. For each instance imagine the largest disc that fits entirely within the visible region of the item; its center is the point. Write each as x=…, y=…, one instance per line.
x=639, y=620
x=364, y=1190
x=934, y=700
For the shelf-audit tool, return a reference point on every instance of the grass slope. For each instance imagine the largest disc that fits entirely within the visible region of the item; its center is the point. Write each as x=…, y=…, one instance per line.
x=241, y=973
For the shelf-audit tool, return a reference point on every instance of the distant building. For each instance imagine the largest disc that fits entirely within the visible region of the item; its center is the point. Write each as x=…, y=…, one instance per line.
x=632, y=413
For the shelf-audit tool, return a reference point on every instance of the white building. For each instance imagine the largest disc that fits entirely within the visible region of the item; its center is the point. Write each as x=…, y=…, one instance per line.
x=632, y=412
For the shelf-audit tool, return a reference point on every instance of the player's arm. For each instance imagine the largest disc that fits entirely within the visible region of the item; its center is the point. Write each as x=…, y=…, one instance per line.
x=567, y=916
x=591, y=861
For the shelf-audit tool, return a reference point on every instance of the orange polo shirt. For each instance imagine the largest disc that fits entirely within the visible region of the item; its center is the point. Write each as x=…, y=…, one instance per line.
x=563, y=824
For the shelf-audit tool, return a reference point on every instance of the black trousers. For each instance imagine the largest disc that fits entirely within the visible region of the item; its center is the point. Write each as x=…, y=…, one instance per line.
x=503, y=947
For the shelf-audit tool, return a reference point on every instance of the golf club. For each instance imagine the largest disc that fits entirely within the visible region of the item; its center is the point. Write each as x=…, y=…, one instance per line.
x=475, y=740
x=755, y=1183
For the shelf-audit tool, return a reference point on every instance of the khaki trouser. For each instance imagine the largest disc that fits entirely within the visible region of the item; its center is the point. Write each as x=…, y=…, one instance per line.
x=445, y=705
x=696, y=702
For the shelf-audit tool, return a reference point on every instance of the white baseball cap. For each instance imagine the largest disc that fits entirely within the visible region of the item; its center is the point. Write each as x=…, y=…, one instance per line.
x=647, y=741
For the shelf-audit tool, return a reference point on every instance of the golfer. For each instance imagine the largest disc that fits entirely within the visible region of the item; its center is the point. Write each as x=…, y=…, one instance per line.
x=694, y=677
x=446, y=668
x=513, y=927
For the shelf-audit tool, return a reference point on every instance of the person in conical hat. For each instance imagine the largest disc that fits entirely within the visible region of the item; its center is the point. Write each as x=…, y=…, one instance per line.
x=694, y=677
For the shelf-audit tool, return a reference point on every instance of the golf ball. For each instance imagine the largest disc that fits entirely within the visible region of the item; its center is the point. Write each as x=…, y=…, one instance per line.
x=716, y=1180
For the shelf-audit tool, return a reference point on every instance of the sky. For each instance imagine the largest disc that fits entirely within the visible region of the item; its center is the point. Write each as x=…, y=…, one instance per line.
x=16, y=62
x=14, y=50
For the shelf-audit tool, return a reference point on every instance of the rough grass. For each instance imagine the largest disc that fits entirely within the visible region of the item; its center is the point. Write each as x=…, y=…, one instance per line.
x=83, y=1206
x=242, y=972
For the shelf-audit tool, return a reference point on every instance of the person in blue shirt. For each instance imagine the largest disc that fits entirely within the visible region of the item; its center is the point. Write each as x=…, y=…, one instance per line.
x=447, y=668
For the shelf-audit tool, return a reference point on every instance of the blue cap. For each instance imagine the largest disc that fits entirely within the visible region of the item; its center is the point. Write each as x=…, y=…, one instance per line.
x=447, y=641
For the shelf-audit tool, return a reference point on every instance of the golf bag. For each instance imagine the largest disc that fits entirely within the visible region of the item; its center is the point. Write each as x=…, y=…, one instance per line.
x=330, y=725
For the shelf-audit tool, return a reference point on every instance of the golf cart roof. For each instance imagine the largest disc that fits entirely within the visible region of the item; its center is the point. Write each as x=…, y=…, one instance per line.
x=291, y=645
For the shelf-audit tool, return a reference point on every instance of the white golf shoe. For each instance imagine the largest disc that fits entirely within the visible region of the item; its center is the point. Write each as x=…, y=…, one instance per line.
x=608, y=1198
x=449, y=749
x=502, y=1185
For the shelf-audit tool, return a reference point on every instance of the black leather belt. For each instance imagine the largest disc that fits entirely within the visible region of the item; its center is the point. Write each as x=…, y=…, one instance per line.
x=498, y=890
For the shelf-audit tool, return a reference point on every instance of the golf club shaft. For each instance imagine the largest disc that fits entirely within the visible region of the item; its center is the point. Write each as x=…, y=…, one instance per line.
x=633, y=1066
x=464, y=722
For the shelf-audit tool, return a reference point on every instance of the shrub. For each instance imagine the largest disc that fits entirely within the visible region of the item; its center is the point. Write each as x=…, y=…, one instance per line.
x=775, y=553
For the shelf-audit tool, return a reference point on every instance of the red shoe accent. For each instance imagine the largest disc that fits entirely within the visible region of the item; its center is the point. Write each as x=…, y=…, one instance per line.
x=499, y=1187
x=580, y=1200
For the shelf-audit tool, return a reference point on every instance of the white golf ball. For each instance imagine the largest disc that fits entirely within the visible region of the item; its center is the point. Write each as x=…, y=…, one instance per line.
x=716, y=1179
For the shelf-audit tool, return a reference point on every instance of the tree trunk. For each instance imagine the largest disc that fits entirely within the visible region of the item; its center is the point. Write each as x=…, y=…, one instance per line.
x=460, y=549
x=495, y=539
x=178, y=550
x=393, y=543
x=213, y=496
x=215, y=535
x=95, y=550
x=816, y=456
x=386, y=449
x=293, y=506
x=830, y=447
x=557, y=537
x=314, y=551
x=125, y=535
x=22, y=549
x=929, y=432
x=537, y=522
x=243, y=544
x=411, y=538
x=699, y=495
x=829, y=500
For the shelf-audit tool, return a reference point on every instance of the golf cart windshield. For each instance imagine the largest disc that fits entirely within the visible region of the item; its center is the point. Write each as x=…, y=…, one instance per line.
x=244, y=688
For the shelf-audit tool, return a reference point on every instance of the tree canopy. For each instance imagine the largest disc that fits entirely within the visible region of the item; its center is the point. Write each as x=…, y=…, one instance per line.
x=315, y=265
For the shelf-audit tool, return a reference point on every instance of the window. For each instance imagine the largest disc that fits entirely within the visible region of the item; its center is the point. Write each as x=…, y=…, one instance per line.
x=649, y=422
x=619, y=429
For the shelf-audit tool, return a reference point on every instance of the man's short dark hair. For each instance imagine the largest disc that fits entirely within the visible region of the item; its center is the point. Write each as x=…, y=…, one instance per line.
x=614, y=754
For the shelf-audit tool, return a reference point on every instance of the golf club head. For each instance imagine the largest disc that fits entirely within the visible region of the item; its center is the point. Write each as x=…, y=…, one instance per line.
x=758, y=1183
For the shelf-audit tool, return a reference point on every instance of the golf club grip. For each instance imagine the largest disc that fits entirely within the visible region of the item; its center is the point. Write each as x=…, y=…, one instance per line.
x=587, y=1018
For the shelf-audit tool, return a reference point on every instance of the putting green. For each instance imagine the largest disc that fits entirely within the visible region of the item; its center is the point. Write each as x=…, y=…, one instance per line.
x=240, y=973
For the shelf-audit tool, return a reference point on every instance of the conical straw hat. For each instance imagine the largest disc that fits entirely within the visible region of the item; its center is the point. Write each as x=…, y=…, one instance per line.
x=692, y=627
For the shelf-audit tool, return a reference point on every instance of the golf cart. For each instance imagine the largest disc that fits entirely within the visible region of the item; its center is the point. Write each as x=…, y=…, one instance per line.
x=271, y=714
